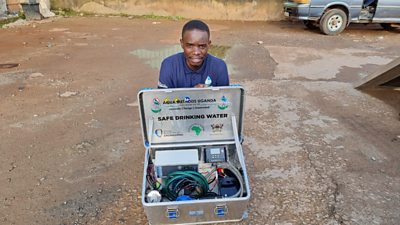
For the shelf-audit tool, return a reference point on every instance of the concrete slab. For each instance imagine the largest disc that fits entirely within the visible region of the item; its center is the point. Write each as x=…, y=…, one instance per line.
x=387, y=75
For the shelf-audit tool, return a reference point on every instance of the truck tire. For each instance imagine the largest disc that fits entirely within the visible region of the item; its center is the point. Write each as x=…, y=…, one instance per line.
x=333, y=22
x=310, y=24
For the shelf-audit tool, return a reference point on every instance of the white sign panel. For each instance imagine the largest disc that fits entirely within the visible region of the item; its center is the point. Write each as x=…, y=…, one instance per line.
x=190, y=115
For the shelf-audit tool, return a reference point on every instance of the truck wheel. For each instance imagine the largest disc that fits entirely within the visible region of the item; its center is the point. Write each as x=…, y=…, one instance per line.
x=388, y=26
x=310, y=24
x=333, y=22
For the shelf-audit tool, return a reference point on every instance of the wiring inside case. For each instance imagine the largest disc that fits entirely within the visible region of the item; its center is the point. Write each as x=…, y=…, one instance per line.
x=221, y=179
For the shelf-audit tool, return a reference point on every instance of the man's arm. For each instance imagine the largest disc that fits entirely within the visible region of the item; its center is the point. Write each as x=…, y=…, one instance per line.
x=165, y=78
x=223, y=77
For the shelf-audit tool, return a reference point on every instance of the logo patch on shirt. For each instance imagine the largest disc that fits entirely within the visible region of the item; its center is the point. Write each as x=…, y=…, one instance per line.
x=161, y=85
x=208, y=81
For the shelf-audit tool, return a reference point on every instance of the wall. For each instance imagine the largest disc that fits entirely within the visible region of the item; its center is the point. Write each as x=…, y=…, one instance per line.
x=13, y=6
x=3, y=7
x=249, y=10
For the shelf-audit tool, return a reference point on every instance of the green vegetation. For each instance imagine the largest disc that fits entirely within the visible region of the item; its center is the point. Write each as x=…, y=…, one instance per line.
x=73, y=13
x=219, y=50
x=152, y=16
x=3, y=22
x=7, y=21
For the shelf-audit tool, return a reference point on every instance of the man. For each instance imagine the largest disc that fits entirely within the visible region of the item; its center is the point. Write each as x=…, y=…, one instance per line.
x=193, y=67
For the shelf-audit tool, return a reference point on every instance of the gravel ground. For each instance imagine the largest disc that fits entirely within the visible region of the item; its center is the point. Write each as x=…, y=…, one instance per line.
x=318, y=151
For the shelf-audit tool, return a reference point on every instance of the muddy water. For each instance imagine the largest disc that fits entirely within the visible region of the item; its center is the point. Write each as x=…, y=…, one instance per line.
x=153, y=58
x=316, y=64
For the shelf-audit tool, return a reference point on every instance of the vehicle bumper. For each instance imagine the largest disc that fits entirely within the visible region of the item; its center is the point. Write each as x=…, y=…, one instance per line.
x=296, y=11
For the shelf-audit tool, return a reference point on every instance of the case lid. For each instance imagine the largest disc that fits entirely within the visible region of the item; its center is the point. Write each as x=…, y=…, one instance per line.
x=190, y=115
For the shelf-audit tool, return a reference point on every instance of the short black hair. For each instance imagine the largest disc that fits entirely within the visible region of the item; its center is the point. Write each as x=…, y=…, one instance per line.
x=196, y=25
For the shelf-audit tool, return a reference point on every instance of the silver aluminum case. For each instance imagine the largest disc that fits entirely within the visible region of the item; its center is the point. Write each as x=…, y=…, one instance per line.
x=196, y=211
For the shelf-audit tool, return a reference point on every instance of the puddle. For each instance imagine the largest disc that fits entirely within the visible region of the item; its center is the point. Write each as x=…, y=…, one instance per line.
x=320, y=64
x=154, y=57
x=219, y=50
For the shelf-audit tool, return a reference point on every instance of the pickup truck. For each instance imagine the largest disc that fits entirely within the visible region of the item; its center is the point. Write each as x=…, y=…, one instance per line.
x=332, y=17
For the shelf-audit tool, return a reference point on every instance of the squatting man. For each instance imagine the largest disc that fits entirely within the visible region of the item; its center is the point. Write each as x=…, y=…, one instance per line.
x=193, y=67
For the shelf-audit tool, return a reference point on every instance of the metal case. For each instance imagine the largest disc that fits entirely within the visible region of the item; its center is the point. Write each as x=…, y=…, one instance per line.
x=188, y=118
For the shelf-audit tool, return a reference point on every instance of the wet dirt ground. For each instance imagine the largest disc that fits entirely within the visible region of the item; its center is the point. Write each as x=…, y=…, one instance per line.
x=318, y=151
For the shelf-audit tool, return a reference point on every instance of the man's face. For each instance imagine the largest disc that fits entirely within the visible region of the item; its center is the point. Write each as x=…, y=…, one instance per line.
x=195, y=44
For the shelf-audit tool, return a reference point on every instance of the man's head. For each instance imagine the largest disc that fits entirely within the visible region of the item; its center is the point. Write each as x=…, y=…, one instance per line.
x=195, y=43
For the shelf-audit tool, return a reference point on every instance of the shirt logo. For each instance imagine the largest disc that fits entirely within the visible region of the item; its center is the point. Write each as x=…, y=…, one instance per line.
x=208, y=81
x=161, y=85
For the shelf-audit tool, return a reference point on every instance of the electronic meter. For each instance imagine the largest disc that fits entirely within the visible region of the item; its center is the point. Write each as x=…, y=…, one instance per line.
x=214, y=154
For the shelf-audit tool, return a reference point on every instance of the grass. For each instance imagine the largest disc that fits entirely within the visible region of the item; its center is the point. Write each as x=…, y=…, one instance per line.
x=153, y=16
x=73, y=13
x=12, y=19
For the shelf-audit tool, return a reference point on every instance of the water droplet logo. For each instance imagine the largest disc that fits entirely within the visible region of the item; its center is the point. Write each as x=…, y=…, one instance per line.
x=156, y=107
x=208, y=82
x=224, y=103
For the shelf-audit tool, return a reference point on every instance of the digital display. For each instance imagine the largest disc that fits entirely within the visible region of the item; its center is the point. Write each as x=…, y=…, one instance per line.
x=215, y=154
x=215, y=151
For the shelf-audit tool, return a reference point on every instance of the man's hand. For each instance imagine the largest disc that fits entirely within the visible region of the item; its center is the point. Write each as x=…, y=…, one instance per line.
x=200, y=86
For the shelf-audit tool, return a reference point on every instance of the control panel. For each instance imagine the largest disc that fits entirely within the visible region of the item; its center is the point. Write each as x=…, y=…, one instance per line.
x=213, y=154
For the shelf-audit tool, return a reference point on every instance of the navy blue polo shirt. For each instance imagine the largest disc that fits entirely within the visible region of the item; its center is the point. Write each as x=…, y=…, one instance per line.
x=175, y=73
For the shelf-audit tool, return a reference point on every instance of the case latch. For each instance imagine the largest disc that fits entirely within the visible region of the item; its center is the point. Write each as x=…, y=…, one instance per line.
x=172, y=214
x=220, y=210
